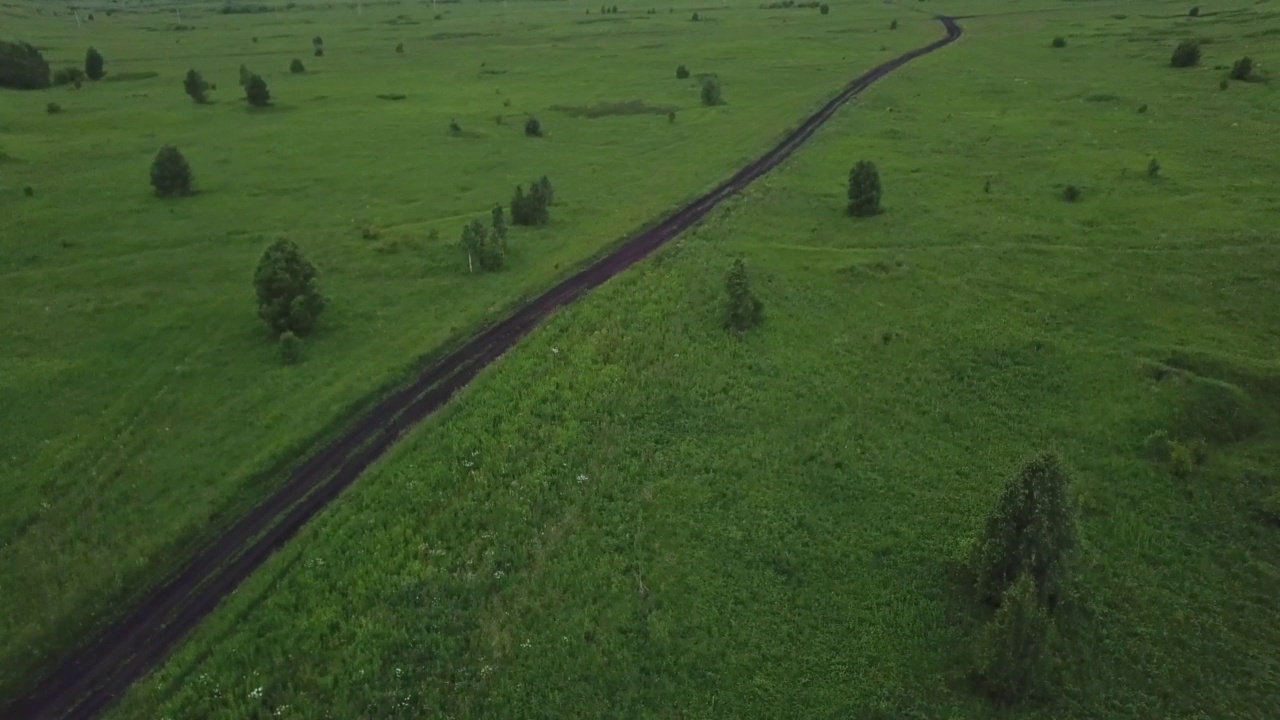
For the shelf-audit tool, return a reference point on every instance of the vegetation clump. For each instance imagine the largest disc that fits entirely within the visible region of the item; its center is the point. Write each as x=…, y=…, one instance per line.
x=743, y=309
x=53, y=108
x=682, y=73
x=68, y=76
x=1059, y=42
x=170, y=173
x=1242, y=68
x=1071, y=193
x=1010, y=652
x=711, y=92
x=255, y=91
x=485, y=248
x=532, y=208
x=22, y=67
x=93, y=64
x=289, y=299
x=1187, y=54
x=1194, y=12
x=824, y=9
x=195, y=86
x=532, y=127
x=1153, y=169
x=864, y=189
x=296, y=67
x=893, y=25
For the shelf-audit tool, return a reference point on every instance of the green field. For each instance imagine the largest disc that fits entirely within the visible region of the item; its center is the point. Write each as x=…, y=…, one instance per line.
x=144, y=405
x=637, y=514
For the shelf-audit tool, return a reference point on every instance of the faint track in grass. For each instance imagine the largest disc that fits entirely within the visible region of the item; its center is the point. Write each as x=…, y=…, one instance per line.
x=87, y=681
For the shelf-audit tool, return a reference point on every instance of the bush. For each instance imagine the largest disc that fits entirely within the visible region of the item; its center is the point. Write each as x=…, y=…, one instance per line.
x=317, y=41
x=29, y=191
x=22, y=67
x=549, y=192
x=1195, y=11
x=864, y=189
x=531, y=209
x=671, y=116
x=1187, y=54
x=285, y=282
x=1071, y=193
x=93, y=62
x=1029, y=532
x=484, y=252
x=255, y=91
x=532, y=127
x=68, y=76
x=711, y=91
x=319, y=52
x=1142, y=109
x=1181, y=460
x=1059, y=42
x=743, y=310
x=695, y=17
x=196, y=87
x=170, y=173
x=498, y=228
x=1010, y=654
x=1153, y=169
x=1224, y=84
x=682, y=73
x=53, y=108
x=825, y=9
x=893, y=25
x=290, y=348
x=1242, y=68
x=400, y=49
x=454, y=128
x=296, y=67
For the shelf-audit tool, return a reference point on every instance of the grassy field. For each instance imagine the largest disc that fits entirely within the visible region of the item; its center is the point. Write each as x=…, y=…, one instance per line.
x=636, y=514
x=143, y=402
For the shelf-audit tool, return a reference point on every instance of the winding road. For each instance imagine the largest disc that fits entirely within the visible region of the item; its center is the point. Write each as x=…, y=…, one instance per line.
x=87, y=681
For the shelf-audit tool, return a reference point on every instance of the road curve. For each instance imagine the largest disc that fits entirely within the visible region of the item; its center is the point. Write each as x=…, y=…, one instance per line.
x=88, y=680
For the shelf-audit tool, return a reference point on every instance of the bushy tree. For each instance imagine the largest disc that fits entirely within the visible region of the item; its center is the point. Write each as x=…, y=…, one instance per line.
x=454, y=128
x=1059, y=42
x=531, y=209
x=1187, y=54
x=484, y=250
x=289, y=299
x=864, y=189
x=196, y=87
x=93, y=64
x=170, y=173
x=743, y=310
x=1010, y=654
x=1242, y=68
x=711, y=91
x=255, y=91
x=682, y=73
x=297, y=67
x=532, y=127
x=1030, y=532
x=22, y=67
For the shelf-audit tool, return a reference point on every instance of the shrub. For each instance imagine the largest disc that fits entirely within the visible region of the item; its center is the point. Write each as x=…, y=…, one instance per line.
x=245, y=75
x=1224, y=84
x=1071, y=193
x=1153, y=169
x=864, y=189
x=290, y=348
x=319, y=52
x=289, y=299
x=1195, y=11
x=1270, y=508
x=682, y=73
x=296, y=67
x=1242, y=69
x=824, y=8
x=29, y=191
x=68, y=76
x=196, y=87
x=532, y=127
x=1059, y=42
x=93, y=62
x=544, y=185
x=743, y=310
x=695, y=17
x=1029, y=532
x=1187, y=54
x=671, y=116
x=53, y=108
x=1181, y=460
x=22, y=67
x=531, y=209
x=498, y=227
x=986, y=187
x=1010, y=654
x=170, y=173
x=454, y=128
x=893, y=25
x=400, y=48
x=255, y=91
x=482, y=250
x=1142, y=108
x=711, y=91
x=317, y=41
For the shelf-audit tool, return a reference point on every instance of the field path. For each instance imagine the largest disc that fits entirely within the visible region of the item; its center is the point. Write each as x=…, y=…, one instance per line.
x=87, y=681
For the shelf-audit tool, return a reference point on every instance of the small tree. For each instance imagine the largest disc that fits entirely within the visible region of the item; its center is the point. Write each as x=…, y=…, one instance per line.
x=170, y=173
x=711, y=91
x=825, y=9
x=400, y=49
x=245, y=75
x=1195, y=11
x=289, y=299
x=290, y=348
x=1010, y=653
x=1153, y=169
x=93, y=62
x=1071, y=193
x=1030, y=532
x=454, y=128
x=296, y=67
x=255, y=91
x=22, y=67
x=743, y=310
x=196, y=87
x=549, y=192
x=498, y=225
x=864, y=189
x=53, y=108
x=893, y=25
x=1242, y=68
x=317, y=41
x=532, y=127
x=1059, y=42
x=484, y=251
x=530, y=209
x=1187, y=54
x=319, y=51
x=695, y=17
x=682, y=73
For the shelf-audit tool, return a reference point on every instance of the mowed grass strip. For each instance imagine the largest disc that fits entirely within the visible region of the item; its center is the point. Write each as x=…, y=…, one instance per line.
x=144, y=404
x=637, y=513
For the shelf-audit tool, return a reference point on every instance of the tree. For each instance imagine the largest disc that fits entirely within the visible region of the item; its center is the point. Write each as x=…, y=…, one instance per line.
x=1242, y=68
x=289, y=299
x=824, y=9
x=484, y=251
x=864, y=189
x=1187, y=54
x=170, y=173
x=22, y=67
x=1029, y=532
x=532, y=127
x=1010, y=653
x=93, y=62
x=1195, y=11
x=743, y=310
x=893, y=25
x=695, y=17
x=255, y=91
x=499, y=227
x=1059, y=42
x=196, y=87
x=297, y=67
x=711, y=91
x=682, y=73
x=544, y=184
x=531, y=209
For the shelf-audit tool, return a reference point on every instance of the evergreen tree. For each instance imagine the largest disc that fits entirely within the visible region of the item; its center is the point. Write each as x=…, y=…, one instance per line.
x=289, y=299
x=743, y=310
x=196, y=87
x=93, y=62
x=255, y=91
x=864, y=189
x=170, y=173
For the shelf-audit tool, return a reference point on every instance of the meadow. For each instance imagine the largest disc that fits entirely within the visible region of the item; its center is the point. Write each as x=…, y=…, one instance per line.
x=144, y=404
x=638, y=514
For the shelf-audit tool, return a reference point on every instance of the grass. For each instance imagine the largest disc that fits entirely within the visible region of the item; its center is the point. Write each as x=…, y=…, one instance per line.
x=144, y=404
x=638, y=514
